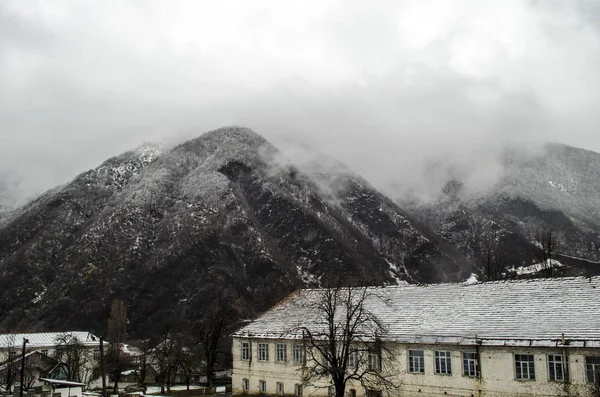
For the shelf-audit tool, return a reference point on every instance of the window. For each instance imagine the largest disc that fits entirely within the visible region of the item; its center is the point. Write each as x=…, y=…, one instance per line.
x=246, y=351
x=352, y=392
x=12, y=355
x=416, y=361
x=262, y=386
x=298, y=390
x=353, y=360
x=470, y=365
x=280, y=388
x=245, y=385
x=298, y=354
x=373, y=360
x=555, y=367
x=263, y=352
x=443, y=363
x=281, y=351
x=524, y=368
x=44, y=352
x=592, y=365
x=96, y=354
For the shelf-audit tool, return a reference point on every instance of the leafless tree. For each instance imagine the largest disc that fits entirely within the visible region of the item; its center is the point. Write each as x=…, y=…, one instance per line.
x=116, y=361
x=210, y=332
x=548, y=243
x=8, y=360
x=166, y=356
x=344, y=343
x=74, y=355
x=489, y=254
x=188, y=364
x=143, y=362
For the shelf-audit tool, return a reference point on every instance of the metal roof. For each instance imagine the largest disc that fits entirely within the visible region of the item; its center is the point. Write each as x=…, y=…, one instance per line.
x=45, y=339
x=535, y=312
x=61, y=382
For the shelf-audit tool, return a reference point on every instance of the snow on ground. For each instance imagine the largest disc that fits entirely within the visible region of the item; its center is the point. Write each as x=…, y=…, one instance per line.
x=156, y=389
x=472, y=279
x=558, y=186
x=535, y=268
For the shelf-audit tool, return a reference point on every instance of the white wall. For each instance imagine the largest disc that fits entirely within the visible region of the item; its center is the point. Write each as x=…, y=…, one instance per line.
x=497, y=365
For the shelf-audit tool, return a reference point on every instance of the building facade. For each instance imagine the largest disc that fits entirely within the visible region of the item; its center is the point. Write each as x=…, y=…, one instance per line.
x=519, y=338
x=41, y=358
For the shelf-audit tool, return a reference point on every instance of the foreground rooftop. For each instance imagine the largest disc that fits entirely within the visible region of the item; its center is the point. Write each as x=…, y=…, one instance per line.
x=536, y=312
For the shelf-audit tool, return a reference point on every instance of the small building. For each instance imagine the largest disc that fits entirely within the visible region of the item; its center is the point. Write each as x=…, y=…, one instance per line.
x=62, y=388
x=40, y=355
x=536, y=337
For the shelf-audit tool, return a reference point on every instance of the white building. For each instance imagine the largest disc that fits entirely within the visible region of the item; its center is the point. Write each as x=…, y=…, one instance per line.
x=38, y=346
x=521, y=338
x=62, y=388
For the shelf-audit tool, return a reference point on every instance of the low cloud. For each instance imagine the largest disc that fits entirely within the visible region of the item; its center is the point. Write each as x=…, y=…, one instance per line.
x=388, y=90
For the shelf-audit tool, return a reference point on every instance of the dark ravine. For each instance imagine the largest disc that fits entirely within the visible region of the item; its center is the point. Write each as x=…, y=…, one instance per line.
x=218, y=215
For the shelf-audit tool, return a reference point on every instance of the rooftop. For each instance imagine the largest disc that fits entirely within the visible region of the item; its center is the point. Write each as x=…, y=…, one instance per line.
x=513, y=312
x=62, y=382
x=45, y=339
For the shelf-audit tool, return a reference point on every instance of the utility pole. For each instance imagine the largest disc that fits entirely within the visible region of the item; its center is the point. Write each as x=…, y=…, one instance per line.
x=25, y=341
x=102, y=373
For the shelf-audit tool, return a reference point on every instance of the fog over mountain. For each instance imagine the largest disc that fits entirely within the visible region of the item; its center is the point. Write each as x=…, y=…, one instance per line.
x=407, y=94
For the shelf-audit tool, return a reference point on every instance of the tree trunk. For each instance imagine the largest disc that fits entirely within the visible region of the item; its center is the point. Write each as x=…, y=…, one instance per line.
x=116, y=387
x=340, y=388
x=209, y=374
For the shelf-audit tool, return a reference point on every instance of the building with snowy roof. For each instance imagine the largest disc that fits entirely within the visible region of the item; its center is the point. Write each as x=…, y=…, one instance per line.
x=40, y=355
x=536, y=337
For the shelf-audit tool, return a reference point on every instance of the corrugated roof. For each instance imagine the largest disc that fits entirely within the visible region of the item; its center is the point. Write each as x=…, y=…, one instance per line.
x=510, y=312
x=45, y=339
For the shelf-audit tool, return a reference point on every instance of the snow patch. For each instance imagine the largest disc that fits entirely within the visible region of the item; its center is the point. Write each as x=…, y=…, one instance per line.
x=559, y=186
x=535, y=268
x=472, y=279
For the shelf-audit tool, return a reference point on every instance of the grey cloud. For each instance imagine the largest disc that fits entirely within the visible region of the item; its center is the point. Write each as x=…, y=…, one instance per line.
x=388, y=90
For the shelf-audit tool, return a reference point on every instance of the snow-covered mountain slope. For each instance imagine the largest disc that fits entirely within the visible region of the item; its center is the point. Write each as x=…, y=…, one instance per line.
x=165, y=231
x=558, y=189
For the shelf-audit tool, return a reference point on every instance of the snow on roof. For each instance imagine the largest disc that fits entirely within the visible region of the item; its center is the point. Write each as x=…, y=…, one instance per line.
x=61, y=382
x=45, y=339
x=533, y=312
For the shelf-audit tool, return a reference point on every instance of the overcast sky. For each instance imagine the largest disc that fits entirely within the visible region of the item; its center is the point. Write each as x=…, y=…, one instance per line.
x=382, y=85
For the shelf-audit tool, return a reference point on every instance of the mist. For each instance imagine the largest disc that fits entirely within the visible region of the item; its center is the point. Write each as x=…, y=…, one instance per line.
x=403, y=93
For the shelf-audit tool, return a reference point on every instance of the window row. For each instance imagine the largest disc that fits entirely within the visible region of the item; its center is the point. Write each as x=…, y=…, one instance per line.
x=524, y=365
x=279, y=387
x=281, y=352
x=373, y=358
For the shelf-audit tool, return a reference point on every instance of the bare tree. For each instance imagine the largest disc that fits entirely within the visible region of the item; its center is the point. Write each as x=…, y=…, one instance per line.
x=344, y=344
x=489, y=254
x=143, y=362
x=210, y=332
x=188, y=364
x=8, y=360
x=167, y=356
x=116, y=362
x=75, y=357
x=548, y=243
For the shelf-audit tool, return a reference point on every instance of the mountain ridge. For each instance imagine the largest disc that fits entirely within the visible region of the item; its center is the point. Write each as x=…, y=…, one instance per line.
x=222, y=212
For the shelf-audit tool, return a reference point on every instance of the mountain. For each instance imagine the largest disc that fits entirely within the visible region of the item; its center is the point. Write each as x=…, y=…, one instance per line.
x=557, y=189
x=7, y=203
x=223, y=214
